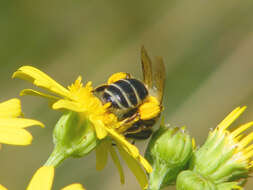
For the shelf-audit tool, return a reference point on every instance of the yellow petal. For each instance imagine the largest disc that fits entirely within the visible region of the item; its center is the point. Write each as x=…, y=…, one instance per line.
x=69, y=105
x=240, y=129
x=15, y=136
x=2, y=187
x=134, y=167
x=248, y=149
x=37, y=93
x=40, y=79
x=248, y=155
x=99, y=127
x=251, y=164
x=145, y=164
x=18, y=123
x=231, y=117
x=246, y=140
x=120, y=139
x=116, y=161
x=102, y=154
x=42, y=179
x=10, y=108
x=75, y=186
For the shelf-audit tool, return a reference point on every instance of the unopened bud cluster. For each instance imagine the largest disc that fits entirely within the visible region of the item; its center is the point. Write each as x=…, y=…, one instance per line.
x=168, y=151
x=223, y=162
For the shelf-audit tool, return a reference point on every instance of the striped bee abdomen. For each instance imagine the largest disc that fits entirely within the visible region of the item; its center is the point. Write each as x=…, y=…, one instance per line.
x=125, y=93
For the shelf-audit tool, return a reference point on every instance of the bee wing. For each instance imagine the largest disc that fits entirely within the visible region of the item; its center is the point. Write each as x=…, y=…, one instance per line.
x=158, y=78
x=153, y=74
x=146, y=67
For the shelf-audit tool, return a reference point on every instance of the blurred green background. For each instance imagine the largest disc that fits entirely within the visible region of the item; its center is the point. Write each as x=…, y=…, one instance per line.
x=207, y=46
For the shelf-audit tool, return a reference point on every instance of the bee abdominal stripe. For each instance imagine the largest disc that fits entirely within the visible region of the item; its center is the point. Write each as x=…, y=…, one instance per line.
x=126, y=93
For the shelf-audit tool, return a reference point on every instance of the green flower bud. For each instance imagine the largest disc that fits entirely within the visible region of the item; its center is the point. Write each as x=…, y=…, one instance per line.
x=215, y=159
x=226, y=155
x=189, y=180
x=168, y=152
x=73, y=136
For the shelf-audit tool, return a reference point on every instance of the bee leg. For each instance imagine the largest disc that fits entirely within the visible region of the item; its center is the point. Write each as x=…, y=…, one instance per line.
x=142, y=135
x=150, y=109
x=131, y=119
x=117, y=76
x=128, y=122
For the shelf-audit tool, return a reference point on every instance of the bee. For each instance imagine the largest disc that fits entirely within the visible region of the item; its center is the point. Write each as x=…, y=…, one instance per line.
x=137, y=104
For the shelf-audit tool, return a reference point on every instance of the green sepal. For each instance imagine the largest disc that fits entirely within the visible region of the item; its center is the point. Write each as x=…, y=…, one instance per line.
x=73, y=136
x=189, y=180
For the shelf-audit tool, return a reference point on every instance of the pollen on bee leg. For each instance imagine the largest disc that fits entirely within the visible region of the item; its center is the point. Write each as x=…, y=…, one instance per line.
x=128, y=122
x=117, y=76
x=107, y=105
x=150, y=108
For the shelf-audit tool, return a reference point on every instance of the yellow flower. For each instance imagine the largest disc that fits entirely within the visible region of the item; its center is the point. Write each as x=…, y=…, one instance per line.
x=226, y=155
x=243, y=152
x=12, y=128
x=43, y=180
x=80, y=99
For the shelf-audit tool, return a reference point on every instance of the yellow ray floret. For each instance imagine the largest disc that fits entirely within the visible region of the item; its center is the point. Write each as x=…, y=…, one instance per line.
x=10, y=108
x=40, y=79
x=75, y=186
x=2, y=187
x=43, y=179
x=243, y=152
x=231, y=118
x=116, y=161
x=240, y=129
x=12, y=128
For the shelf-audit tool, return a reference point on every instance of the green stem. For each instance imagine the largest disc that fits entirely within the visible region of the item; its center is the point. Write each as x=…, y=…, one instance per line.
x=56, y=157
x=156, y=177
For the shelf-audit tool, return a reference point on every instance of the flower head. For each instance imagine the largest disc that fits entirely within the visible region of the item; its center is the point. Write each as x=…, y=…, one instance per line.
x=79, y=98
x=12, y=127
x=226, y=155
